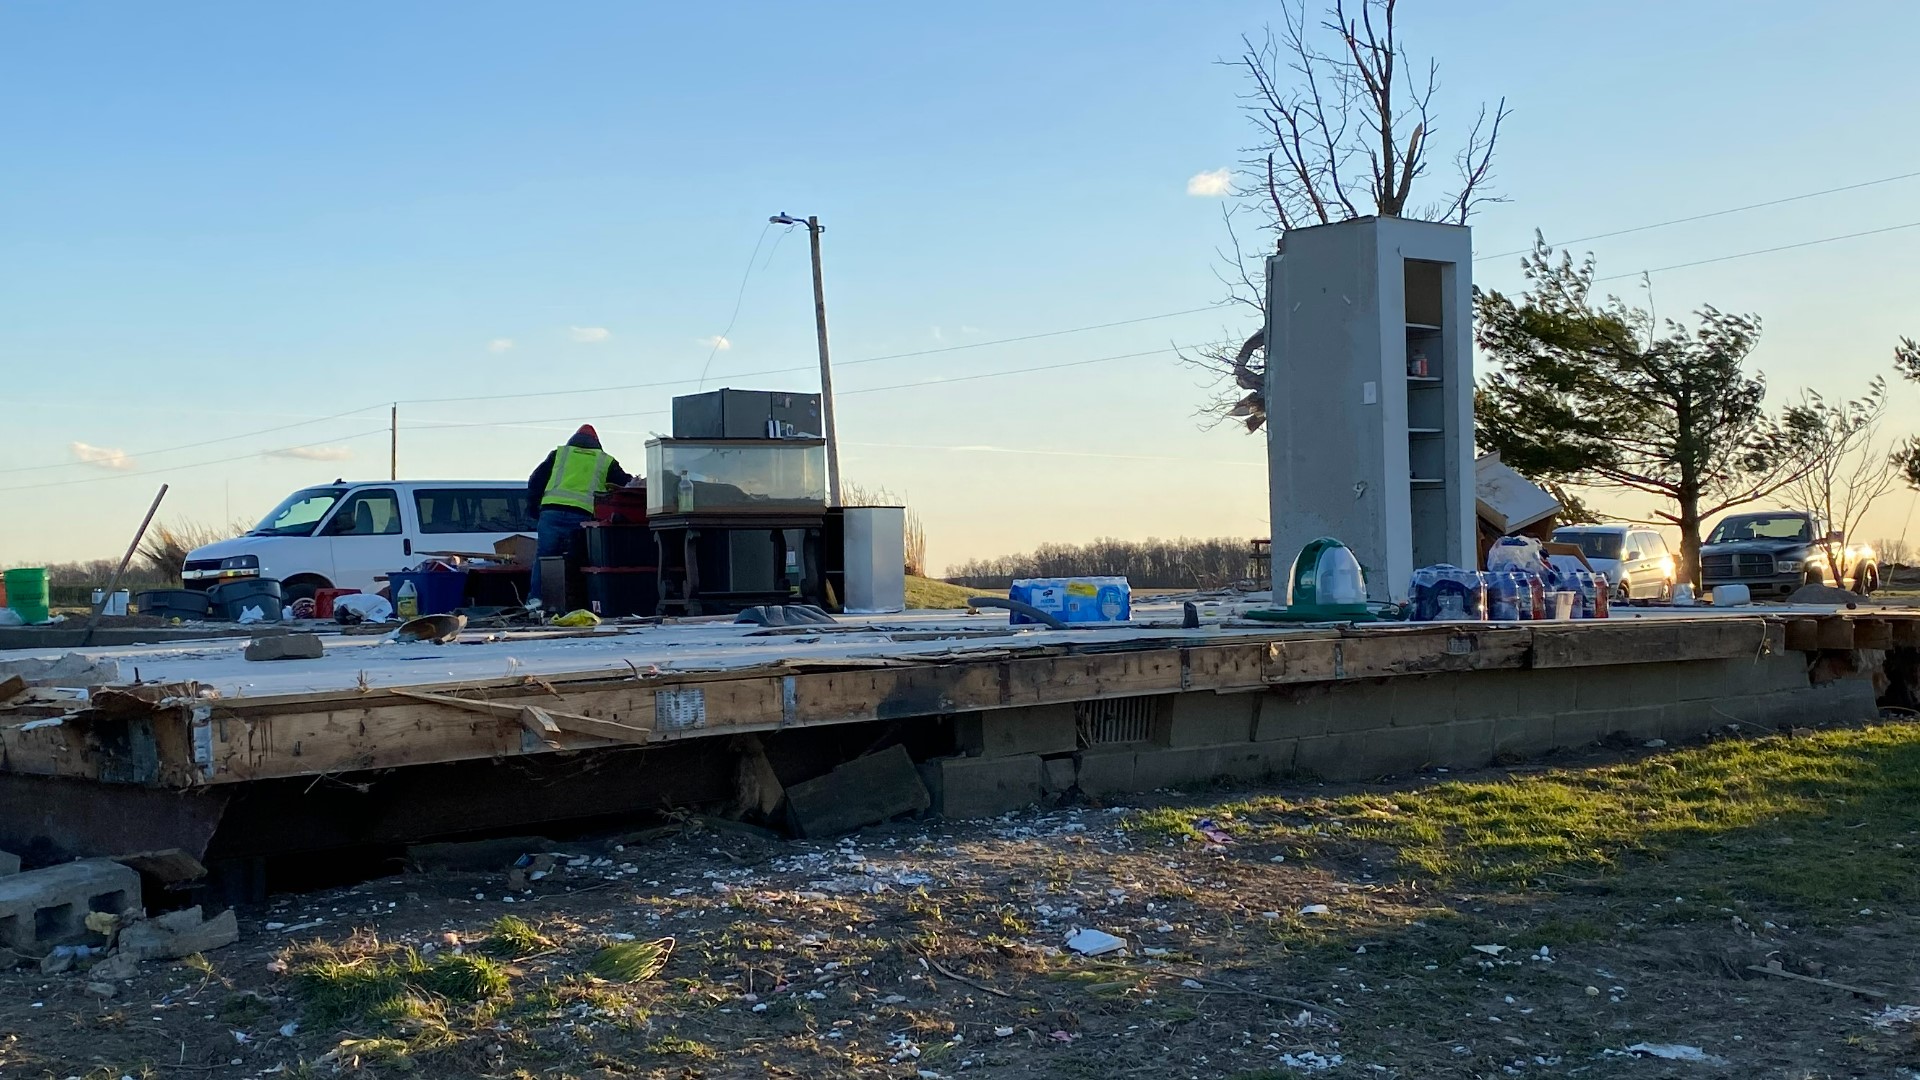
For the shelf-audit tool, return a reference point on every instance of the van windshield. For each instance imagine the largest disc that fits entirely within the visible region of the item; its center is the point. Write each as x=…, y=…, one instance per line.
x=1595, y=545
x=299, y=513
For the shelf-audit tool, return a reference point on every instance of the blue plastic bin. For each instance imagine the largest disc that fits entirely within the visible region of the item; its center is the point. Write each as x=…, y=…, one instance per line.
x=439, y=591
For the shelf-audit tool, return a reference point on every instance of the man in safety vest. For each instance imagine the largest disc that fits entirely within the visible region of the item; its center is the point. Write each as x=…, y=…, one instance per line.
x=562, y=489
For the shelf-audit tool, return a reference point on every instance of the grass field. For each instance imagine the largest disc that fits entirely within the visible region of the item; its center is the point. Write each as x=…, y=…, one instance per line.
x=928, y=594
x=1751, y=898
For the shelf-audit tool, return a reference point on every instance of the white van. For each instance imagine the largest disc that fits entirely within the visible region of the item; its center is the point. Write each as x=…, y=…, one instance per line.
x=345, y=534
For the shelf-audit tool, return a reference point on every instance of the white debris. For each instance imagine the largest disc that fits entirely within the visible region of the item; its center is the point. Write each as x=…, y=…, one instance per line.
x=1002, y=1032
x=1089, y=942
x=1311, y=1061
x=1490, y=950
x=1316, y=909
x=1675, y=1052
x=1895, y=1015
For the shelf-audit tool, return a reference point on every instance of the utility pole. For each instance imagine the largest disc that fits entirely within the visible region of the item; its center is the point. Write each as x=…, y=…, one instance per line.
x=393, y=442
x=814, y=228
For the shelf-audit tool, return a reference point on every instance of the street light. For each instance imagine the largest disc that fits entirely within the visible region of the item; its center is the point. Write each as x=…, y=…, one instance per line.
x=814, y=228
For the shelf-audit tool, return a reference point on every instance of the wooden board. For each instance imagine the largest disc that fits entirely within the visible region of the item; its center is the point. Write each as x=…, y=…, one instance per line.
x=243, y=739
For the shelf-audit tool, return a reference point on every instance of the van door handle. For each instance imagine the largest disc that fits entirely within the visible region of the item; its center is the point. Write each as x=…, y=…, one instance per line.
x=406, y=547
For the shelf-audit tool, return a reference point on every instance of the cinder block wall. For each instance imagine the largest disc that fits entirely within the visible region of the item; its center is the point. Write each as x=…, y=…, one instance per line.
x=1364, y=728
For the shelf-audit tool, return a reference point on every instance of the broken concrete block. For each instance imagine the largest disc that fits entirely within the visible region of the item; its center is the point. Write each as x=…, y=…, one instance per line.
x=9, y=864
x=115, y=968
x=286, y=647
x=179, y=933
x=40, y=909
x=72, y=669
x=864, y=791
x=984, y=787
x=102, y=989
x=1056, y=775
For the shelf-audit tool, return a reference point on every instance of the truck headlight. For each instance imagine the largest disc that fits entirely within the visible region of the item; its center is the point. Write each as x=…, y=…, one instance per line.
x=1789, y=564
x=240, y=562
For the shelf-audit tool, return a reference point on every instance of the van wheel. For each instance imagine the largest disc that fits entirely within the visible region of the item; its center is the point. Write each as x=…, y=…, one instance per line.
x=297, y=595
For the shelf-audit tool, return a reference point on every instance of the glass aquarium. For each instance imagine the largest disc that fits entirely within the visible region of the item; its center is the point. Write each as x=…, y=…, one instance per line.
x=736, y=476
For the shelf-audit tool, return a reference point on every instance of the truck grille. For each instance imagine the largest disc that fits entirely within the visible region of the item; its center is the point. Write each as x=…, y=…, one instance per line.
x=1737, y=566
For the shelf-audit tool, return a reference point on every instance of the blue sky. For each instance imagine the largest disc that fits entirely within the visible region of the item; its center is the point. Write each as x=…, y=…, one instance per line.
x=226, y=218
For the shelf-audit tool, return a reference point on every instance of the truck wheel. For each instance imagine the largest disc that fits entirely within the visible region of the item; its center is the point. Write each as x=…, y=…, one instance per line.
x=1866, y=580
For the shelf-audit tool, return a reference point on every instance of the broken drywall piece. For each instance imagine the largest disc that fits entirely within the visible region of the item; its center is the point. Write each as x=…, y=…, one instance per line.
x=1088, y=942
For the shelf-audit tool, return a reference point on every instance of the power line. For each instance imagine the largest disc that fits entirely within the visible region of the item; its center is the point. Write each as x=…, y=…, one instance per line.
x=1709, y=214
x=196, y=445
x=746, y=275
x=837, y=364
x=1763, y=251
x=198, y=464
x=662, y=384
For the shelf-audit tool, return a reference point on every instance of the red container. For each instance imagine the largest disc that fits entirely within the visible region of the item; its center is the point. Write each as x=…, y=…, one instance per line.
x=323, y=601
x=622, y=506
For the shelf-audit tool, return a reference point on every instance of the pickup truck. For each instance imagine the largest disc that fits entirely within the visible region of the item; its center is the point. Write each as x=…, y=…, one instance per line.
x=1775, y=552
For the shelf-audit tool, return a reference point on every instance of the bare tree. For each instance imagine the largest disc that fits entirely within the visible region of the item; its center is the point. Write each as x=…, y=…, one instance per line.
x=1892, y=553
x=1345, y=123
x=1847, y=466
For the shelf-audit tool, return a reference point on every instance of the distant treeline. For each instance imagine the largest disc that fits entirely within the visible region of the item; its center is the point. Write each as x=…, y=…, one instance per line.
x=1146, y=564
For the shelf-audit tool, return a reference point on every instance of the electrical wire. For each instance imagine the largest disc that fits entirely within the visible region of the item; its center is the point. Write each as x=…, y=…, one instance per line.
x=196, y=445
x=837, y=364
x=720, y=339
x=1763, y=251
x=1709, y=214
x=334, y=441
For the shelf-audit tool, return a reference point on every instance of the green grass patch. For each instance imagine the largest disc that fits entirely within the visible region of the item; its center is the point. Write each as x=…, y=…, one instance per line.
x=675, y=1046
x=336, y=991
x=926, y=593
x=631, y=961
x=511, y=936
x=1813, y=821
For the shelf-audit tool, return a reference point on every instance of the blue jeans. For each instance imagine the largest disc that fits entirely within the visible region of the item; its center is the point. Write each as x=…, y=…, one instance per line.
x=554, y=536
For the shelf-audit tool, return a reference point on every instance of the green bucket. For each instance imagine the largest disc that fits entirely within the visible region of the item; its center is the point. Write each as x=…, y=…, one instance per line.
x=27, y=593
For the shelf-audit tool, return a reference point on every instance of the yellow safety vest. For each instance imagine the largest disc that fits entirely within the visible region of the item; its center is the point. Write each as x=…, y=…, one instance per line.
x=578, y=474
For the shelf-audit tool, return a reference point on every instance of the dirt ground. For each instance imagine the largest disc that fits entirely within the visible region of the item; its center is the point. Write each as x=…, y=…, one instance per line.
x=1290, y=942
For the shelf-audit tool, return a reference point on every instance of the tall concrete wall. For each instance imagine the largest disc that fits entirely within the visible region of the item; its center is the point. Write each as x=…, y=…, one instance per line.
x=1365, y=728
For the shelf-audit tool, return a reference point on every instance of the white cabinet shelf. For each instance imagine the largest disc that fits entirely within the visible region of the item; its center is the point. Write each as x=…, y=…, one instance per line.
x=1359, y=447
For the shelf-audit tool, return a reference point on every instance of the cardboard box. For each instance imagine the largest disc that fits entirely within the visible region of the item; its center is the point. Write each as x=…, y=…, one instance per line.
x=518, y=548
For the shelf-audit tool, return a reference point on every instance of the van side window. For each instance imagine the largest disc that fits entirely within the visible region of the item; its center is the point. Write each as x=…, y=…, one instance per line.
x=375, y=512
x=472, y=510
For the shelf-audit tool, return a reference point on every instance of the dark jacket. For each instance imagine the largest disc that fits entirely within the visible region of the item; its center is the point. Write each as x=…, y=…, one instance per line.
x=537, y=483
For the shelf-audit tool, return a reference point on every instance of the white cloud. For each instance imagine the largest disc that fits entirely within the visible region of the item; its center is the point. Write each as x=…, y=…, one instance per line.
x=591, y=335
x=313, y=453
x=102, y=456
x=500, y=344
x=1211, y=185
x=718, y=343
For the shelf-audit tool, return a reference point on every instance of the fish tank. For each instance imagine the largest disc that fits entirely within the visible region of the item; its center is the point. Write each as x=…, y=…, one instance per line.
x=736, y=476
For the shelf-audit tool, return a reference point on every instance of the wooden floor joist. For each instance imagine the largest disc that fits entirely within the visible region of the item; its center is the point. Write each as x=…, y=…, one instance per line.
x=237, y=740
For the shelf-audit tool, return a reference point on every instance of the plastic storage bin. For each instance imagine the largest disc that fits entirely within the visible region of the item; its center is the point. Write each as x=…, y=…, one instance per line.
x=624, y=590
x=230, y=599
x=184, y=604
x=436, y=591
x=27, y=593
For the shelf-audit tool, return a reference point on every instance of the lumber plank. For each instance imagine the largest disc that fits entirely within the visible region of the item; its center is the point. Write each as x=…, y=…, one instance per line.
x=1092, y=677
x=1872, y=634
x=1648, y=641
x=1836, y=632
x=1803, y=635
